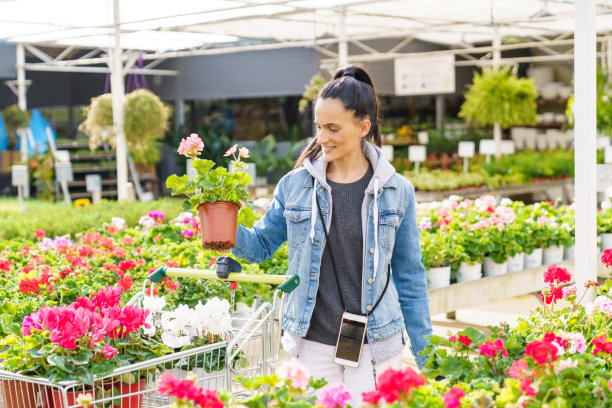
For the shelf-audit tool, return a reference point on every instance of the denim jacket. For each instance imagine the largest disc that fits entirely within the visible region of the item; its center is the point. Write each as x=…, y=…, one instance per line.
x=390, y=235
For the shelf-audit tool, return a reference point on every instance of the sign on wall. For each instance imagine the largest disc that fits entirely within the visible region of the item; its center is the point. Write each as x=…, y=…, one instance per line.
x=425, y=75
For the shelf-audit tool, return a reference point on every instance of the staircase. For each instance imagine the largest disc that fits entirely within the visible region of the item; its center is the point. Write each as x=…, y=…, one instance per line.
x=102, y=162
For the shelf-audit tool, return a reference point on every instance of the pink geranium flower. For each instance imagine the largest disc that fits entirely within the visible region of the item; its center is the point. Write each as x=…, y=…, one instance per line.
x=295, y=373
x=192, y=146
x=231, y=150
x=334, y=396
x=243, y=152
x=452, y=397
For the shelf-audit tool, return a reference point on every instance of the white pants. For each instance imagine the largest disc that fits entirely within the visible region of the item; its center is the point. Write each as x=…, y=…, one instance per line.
x=318, y=358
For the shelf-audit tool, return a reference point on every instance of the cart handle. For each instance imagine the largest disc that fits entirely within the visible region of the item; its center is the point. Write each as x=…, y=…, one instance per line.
x=287, y=284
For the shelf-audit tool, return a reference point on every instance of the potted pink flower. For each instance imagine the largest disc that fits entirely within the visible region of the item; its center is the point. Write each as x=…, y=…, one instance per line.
x=214, y=192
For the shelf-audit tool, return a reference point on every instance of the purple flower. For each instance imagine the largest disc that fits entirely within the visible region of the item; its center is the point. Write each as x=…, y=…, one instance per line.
x=155, y=214
x=46, y=244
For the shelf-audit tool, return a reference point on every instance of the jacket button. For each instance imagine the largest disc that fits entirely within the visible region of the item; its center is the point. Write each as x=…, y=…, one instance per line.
x=369, y=308
x=371, y=250
x=376, y=336
x=370, y=281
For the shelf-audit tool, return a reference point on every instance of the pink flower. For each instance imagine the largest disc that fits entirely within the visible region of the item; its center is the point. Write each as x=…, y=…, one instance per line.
x=542, y=220
x=335, y=395
x=295, y=373
x=569, y=290
x=372, y=397
x=518, y=368
x=39, y=233
x=577, y=343
x=556, y=273
x=243, y=152
x=156, y=214
x=187, y=233
x=109, y=351
x=191, y=147
x=565, y=364
x=231, y=150
x=526, y=387
x=452, y=397
x=395, y=384
x=489, y=348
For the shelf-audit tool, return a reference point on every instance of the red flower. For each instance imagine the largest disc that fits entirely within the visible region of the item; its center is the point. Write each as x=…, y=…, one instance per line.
x=125, y=283
x=452, y=338
x=172, y=264
x=606, y=258
x=590, y=283
x=27, y=268
x=39, y=233
x=371, y=397
x=127, y=240
x=187, y=390
x=127, y=265
x=107, y=242
x=550, y=337
x=213, y=260
x=118, y=252
x=148, y=291
x=489, y=348
x=396, y=384
x=555, y=273
x=551, y=294
x=171, y=285
x=490, y=210
x=465, y=340
x=91, y=238
x=24, y=250
x=28, y=285
x=111, y=229
x=5, y=265
x=541, y=351
x=452, y=397
x=526, y=387
x=600, y=344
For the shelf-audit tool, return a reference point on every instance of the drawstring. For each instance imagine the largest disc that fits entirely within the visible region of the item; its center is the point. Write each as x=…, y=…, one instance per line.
x=313, y=216
x=376, y=254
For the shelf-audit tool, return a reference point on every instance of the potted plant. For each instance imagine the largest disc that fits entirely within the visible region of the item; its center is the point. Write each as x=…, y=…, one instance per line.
x=214, y=192
x=436, y=256
x=84, y=341
x=316, y=83
x=14, y=119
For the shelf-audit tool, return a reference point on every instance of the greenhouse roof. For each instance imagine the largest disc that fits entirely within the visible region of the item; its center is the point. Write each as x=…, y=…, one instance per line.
x=186, y=25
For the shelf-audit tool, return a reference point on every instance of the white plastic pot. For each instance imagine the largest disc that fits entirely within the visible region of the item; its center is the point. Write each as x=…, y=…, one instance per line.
x=438, y=277
x=516, y=263
x=606, y=241
x=552, y=255
x=492, y=268
x=534, y=259
x=467, y=272
x=569, y=254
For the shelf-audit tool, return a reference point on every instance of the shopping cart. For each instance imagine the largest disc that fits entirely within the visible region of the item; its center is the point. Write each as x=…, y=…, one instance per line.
x=251, y=348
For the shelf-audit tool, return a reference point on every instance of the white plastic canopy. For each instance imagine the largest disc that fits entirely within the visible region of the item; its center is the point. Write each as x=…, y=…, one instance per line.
x=114, y=29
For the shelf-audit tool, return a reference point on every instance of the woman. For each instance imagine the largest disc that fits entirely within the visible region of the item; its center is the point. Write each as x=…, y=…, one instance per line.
x=369, y=212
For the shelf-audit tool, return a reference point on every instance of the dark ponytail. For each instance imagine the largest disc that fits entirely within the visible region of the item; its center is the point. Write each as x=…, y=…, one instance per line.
x=353, y=86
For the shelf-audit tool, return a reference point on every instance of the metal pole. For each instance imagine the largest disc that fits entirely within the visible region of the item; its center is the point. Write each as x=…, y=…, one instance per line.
x=439, y=112
x=118, y=91
x=585, y=132
x=342, y=43
x=497, y=132
x=22, y=102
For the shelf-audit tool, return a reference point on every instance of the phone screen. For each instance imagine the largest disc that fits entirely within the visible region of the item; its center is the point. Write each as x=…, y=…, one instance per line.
x=349, y=341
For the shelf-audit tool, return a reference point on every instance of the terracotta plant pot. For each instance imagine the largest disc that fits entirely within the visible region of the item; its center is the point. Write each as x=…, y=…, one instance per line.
x=71, y=397
x=218, y=223
x=20, y=394
x=131, y=399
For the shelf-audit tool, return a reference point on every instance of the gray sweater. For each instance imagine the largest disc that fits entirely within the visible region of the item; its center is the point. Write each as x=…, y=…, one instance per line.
x=345, y=238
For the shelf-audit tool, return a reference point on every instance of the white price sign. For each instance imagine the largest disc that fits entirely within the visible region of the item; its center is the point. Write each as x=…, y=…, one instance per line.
x=487, y=146
x=62, y=156
x=423, y=137
x=417, y=153
x=507, y=147
x=19, y=175
x=425, y=75
x=466, y=149
x=93, y=182
x=63, y=172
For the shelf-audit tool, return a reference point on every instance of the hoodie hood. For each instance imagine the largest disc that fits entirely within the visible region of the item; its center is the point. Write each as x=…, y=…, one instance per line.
x=383, y=171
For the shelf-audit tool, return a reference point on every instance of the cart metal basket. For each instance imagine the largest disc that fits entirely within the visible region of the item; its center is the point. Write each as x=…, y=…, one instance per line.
x=251, y=349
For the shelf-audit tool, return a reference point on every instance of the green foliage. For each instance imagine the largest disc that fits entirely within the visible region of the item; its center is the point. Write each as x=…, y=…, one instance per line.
x=267, y=160
x=210, y=184
x=43, y=171
x=14, y=119
x=604, y=104
x=497, y=96
x=62, y=219
x=316, y=83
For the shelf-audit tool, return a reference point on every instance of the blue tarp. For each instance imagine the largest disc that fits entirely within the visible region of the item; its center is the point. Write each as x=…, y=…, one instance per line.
x=38, y=126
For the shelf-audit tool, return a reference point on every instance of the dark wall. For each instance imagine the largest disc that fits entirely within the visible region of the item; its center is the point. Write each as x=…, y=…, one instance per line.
x=8, y=60
x=250, y=74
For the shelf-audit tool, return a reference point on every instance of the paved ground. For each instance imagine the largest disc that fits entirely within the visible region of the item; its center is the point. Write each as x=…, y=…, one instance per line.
x=508, y=310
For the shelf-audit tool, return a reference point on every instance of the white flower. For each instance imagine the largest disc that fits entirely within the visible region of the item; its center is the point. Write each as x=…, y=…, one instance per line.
x=536, y=206
x=455, y=198
x=566, y=227
x=119, y=223
x=153, y=304
x=152, y=329
x=174, y=340
x=174, y=322
x=609, y=192
x=565, y=364
x=506, y=202
x=606, y=205
x=146, y=222
x=213, y=317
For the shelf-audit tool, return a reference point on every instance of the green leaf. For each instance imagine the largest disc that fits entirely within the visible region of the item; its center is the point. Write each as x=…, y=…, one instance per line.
x=102, y=369
x=176, y=182
x=203, y=166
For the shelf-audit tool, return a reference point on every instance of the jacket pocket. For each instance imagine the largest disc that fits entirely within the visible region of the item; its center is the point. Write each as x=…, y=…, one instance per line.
x=388, y=222
x=297, y=225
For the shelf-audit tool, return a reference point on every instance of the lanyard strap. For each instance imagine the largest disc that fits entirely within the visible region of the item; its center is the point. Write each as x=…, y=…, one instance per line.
x=331, y=255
